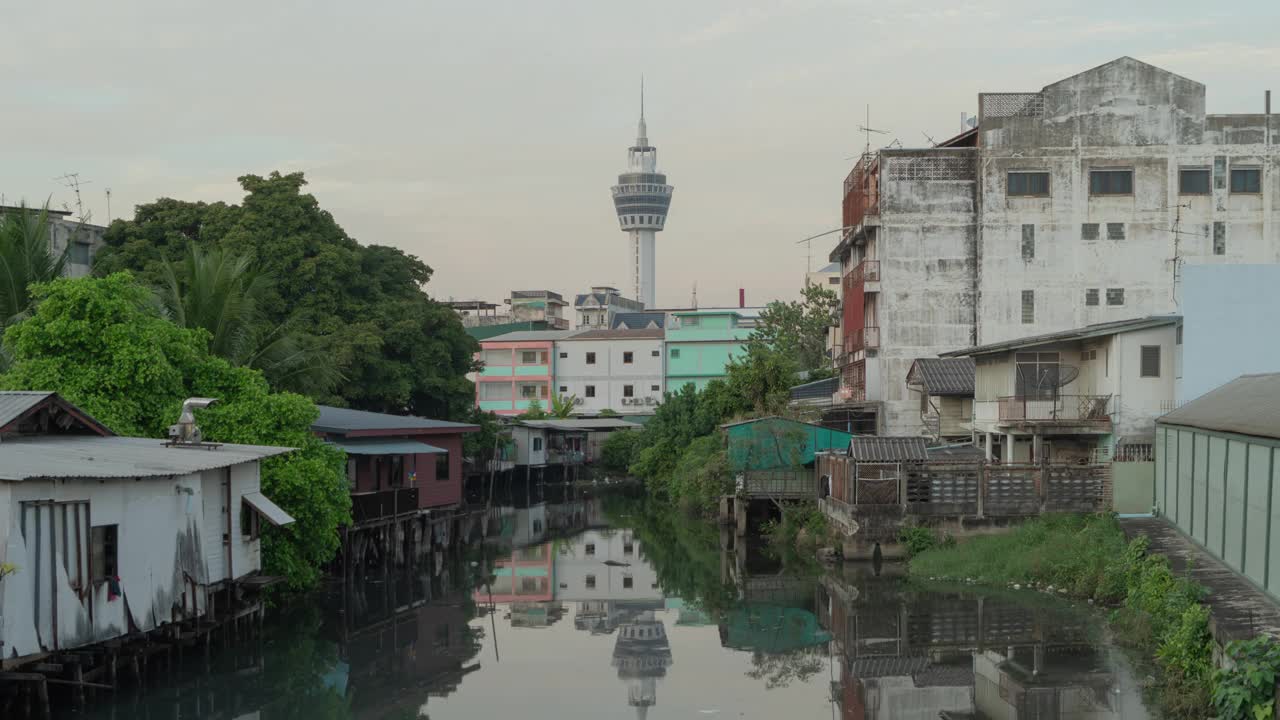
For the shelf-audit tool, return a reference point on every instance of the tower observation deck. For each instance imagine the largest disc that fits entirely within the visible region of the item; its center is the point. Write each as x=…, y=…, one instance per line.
x=642, y=198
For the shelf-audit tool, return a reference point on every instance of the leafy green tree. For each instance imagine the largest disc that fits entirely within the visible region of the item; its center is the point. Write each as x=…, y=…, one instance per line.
x=25, y=259
x=103, y=345
x=619, y=450
x=798, y=330
x=534, y=412
x=562, y=406
x=398, y=350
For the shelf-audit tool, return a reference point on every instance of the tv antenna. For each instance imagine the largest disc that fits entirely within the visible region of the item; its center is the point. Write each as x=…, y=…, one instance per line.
x=108, y=206
x=808, y=262
x=1177, y=260
x=867, y=130
x=929, y=138
x=73, y=181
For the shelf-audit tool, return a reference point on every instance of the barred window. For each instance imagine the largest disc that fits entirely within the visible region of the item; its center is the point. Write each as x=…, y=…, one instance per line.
x=1219, y=238
x=1115, y=296
x=1028, y=242
x=1091, y=296
x=1028, y=307
x=1029, y=183
x=1089, y=231
x=1150, y=361
x=1115, y=231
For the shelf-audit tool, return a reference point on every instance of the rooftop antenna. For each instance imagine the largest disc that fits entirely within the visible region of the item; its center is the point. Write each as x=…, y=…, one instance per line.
x=695, y=295
x=73, y=181
x=928, y=137
x=867, y=130
x=108, y=206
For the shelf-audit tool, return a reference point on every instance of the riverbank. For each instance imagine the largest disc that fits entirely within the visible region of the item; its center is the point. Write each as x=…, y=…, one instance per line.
x=1155, y=612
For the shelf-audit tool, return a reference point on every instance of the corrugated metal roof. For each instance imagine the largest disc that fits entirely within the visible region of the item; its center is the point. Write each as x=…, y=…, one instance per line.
x=1248, y=405
x=267, y=509
x=877, y=449
x=341, y=420
x=13, y=403
x=531, y=336
x=621, y=334
x=387, y=446
x=582, y=424
x=960, y=452
x=1084, y=333
x=639, y=320
x=84, y=456
x=944, y=376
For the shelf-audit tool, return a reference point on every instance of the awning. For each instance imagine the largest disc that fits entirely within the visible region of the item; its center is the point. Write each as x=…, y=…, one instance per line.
x=270, y=511
x=387, y=446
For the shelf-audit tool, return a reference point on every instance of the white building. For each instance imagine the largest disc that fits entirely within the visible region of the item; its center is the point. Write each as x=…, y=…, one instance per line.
x=642, y=198
x=109, y=533
x=1072, y=395
x=80, y=240
x=619, y=370
x=596, y=310
x=604, y=565
x=1078, y=204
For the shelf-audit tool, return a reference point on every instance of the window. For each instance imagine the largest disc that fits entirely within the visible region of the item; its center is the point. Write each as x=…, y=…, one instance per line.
x=351, y=472
x=442, y=467
x=627, y=547
x=1036, y=375
x=833, y=280
x=250, y=523
x=564, y=388
x=1089, y=231
x=1115, y=231
x=103, y=551
x=1246, y=180
x=1115, y=296
x=1195, y=181
x=591, y=582
x=690, y=321
x=497, y=357
x=1091, y=297
x=1028, y=307
x=1110, y=182
x=628, y=391
x=1219, y=238
x=564, y=356
x=528, y=392
x=528, y=357
x=656, y=353
x=589, y=549
x=591, y=358
x=1028, y=242
x=529, y=584
x=395, y=473
x=537, y=444
x=1029, y=183
x=626, y=358
x=1150, y=361
x=675, y=353
x=590, y=391
x=1178, y=336
x=79, y=253
x=627, y=582
x=653, y=388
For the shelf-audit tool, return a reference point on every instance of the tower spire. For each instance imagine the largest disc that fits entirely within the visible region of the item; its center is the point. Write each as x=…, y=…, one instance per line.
x=642, y=134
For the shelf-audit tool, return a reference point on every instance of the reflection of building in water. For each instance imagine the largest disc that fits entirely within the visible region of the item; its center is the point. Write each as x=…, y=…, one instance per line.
x=605, y=616
x=604, y=565
x=527, y=575
x=687, y=615
x=535, y=614
x=641, y=655
x=965, y=657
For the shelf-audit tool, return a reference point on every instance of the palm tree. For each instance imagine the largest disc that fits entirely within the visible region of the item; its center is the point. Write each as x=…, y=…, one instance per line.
x=222, y=293
x=562, y=406
x=25, y=259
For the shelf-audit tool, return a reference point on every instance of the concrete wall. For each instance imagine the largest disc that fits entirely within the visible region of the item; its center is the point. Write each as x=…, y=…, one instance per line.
x=163, y=539
x=1225, y=309
x=1220, y=489
x=610, y=374
x=1133, y=487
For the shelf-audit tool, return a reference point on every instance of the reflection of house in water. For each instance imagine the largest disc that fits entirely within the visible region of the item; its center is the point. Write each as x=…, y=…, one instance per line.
x=604, y=565
x=641, y=655
x=605, y=616
x=528, y=575
x=965, y=657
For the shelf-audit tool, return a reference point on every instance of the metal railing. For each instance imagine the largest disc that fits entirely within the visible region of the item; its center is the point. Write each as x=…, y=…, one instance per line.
x=856, y=339
x=866, y=271
x=1063, y=408
x=862, y=190
x=379, y=504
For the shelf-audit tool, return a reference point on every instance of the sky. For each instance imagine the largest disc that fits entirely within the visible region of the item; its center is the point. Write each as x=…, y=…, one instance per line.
x=482, y=137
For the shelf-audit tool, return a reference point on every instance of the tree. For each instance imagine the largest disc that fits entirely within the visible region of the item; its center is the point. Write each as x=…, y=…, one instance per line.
x=222, y=293
x=25, y=259
x=103, y=345
x=562, y=406
x=398, y=350
x=619, y=450
x=798, y=330
x=534, y=412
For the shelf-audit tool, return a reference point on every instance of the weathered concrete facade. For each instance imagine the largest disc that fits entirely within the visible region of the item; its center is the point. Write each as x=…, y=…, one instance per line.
x=1075, y=205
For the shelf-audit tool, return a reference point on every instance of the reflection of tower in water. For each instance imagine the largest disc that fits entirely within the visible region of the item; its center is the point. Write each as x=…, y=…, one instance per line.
x=641, y=655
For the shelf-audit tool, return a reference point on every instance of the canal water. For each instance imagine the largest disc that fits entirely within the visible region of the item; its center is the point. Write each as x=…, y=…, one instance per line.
x=605, y=609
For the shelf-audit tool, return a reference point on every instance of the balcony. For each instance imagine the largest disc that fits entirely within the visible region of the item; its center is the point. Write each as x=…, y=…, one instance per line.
x=864, y=338
x=382, y=504
x=867, y=271
x=1086, y=409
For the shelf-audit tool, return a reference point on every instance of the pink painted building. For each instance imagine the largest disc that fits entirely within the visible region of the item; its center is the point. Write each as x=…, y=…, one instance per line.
x=519, y=368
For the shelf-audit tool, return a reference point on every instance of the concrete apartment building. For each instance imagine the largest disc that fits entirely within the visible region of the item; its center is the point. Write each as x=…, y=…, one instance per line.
x=598, y=308
x=619, y=370
x=1079, y=204
x=78, y=239
x=538, y=306
x=518, y=369
x=700, y=344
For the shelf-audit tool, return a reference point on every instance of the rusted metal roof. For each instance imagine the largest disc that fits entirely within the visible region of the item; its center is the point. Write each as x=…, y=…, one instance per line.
x=943, y=376
x=1248, y=405
x=84, y=456
x=877, y=449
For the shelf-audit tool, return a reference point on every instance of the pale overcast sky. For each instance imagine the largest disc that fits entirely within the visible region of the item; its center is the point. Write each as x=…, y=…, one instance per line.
x=483, y=136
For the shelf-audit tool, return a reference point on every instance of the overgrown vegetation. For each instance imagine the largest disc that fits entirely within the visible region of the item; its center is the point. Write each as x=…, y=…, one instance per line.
x=917, y=539
x=802, y=525
x=1247, y=690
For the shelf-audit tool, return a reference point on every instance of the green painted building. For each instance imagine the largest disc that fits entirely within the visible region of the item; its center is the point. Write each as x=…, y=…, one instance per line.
x=773, y=442
x=700, y=344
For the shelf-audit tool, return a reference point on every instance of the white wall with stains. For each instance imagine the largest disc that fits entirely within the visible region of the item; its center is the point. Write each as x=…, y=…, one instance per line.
x=164, y=540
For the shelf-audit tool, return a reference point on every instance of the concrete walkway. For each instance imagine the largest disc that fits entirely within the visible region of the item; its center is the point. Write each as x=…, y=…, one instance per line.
x=1237, y=609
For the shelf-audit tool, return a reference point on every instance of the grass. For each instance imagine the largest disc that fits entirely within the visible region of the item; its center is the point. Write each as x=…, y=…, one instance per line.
x=1066, y=551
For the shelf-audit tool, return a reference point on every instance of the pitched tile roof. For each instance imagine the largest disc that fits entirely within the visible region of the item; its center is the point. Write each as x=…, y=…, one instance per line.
x=943, y=376
x=1248, y=405
x=878, y=449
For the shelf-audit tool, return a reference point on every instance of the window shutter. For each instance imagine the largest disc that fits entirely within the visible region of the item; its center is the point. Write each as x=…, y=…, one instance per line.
x=1151, y=361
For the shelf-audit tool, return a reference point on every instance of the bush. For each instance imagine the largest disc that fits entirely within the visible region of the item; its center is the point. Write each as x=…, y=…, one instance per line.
x=806, y=517
x=918, y=539
x=620, y=449
x=1246, y=691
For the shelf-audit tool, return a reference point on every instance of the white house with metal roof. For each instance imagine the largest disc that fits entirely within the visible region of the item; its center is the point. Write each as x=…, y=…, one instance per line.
x=112, y=535
x=1073, y=395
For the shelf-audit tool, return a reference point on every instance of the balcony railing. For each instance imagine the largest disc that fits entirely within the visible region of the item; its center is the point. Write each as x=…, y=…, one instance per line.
x=1064, y=408
x=862, y=190
x=866, y=271
x=369, y=506
x=856, y=339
